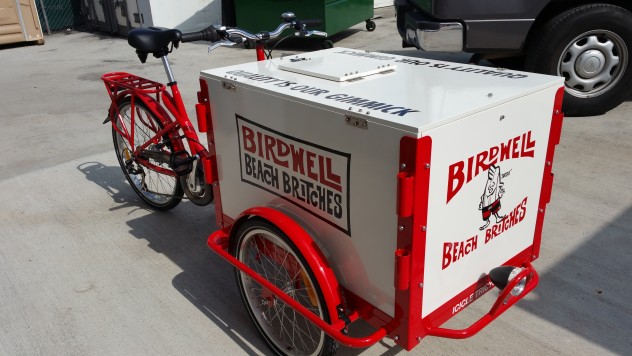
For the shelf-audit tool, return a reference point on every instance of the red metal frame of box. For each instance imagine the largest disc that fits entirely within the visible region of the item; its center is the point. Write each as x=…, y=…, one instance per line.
x=407, y=327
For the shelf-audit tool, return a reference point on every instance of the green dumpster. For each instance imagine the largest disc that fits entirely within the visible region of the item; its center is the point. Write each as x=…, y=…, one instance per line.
x=336, y=15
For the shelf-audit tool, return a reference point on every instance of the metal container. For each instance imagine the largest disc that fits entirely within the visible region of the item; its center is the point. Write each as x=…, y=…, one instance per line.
x=413, y=177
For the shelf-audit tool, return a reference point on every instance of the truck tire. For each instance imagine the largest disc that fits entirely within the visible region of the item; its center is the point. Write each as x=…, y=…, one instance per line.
x=591, y=47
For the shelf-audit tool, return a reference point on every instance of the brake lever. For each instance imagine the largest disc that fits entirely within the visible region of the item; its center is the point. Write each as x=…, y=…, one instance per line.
x=316, y=33
x=223, y=43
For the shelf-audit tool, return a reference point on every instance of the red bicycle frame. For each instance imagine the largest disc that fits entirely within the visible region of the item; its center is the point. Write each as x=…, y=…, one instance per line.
x=165, y=106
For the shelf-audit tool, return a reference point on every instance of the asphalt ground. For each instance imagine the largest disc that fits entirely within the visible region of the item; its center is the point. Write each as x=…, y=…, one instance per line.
x=87, y=269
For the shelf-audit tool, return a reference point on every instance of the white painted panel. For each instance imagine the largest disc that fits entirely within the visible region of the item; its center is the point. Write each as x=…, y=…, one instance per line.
x=419, y=95
x=463, y=243
x=360, y=242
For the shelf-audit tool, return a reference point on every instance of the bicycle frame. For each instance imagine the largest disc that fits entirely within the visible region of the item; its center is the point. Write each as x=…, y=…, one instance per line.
x=167, y=107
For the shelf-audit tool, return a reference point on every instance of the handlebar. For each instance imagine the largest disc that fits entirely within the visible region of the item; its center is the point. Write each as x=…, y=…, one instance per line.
x=224, y=36
x=209, y=34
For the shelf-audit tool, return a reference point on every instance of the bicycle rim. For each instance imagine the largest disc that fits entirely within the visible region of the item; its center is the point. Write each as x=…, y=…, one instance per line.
x=159, y=190
x=285, y=330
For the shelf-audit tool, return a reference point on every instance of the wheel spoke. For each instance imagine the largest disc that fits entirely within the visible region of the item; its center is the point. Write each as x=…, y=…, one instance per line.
x=591, y=42
x=273, y=259
x=575, y=50
x=157, y=189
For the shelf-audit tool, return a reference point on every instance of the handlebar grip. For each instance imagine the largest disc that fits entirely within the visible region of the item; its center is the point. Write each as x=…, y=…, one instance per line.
x=208, y=34
x=192, y=37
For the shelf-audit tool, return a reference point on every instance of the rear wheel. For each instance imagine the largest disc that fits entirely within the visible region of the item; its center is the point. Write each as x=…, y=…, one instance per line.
x=159, y=190
x=195, y=187
x=590, y=46
x=269, y=252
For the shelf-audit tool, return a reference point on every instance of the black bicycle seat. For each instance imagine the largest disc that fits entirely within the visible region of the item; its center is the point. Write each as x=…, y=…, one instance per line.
x=153, y=39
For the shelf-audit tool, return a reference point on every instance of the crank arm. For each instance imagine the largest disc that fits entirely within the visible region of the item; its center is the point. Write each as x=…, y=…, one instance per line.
x=158, y=156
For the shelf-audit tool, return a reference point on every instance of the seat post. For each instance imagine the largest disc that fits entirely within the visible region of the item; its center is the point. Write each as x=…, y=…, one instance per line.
x=165, y=63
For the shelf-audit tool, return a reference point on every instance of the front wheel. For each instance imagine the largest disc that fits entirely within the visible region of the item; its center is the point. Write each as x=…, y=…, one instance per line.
x=590, y=46
x=269, y=252
x=158, y=189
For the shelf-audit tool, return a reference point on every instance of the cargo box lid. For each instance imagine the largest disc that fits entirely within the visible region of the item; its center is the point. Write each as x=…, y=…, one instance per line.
x=407, y=93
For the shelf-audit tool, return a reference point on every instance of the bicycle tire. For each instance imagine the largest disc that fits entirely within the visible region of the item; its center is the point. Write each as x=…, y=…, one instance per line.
x=159, y=191
x=199, y=193
x=261, y=245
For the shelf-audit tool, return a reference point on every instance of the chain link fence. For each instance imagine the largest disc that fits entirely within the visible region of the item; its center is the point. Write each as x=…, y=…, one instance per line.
x=60, y=15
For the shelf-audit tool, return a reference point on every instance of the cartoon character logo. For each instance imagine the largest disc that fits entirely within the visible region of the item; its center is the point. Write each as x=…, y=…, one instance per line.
x=490, y=200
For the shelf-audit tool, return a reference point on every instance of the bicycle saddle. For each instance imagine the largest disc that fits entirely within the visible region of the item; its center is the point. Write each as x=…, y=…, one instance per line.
x=153, y=40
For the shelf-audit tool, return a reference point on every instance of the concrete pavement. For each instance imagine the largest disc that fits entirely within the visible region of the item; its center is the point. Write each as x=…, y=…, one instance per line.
x=87, y=269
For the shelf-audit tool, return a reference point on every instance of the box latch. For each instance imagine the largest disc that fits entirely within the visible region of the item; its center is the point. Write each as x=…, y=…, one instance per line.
x=405, y=188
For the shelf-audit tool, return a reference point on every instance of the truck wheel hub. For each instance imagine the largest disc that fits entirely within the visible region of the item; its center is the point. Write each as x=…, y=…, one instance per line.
x=590, y=64
x=593, y=63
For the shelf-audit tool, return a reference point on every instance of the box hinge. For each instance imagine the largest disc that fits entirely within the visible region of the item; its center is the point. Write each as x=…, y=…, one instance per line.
x=228, y=85
x=357, y=122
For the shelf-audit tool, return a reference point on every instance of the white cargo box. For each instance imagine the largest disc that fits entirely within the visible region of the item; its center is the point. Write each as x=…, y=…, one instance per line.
x=373, y=153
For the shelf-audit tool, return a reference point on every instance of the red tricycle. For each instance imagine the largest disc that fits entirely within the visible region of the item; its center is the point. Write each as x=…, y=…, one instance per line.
x=361, y=185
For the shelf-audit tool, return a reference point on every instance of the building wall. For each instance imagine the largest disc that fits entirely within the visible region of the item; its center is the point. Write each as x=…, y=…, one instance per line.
x=185, y=15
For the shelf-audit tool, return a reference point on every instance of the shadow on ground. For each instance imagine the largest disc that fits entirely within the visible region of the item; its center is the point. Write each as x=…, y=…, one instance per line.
x=206, y=280
x=180, y=235
x=585, y=281
x=563, y=296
